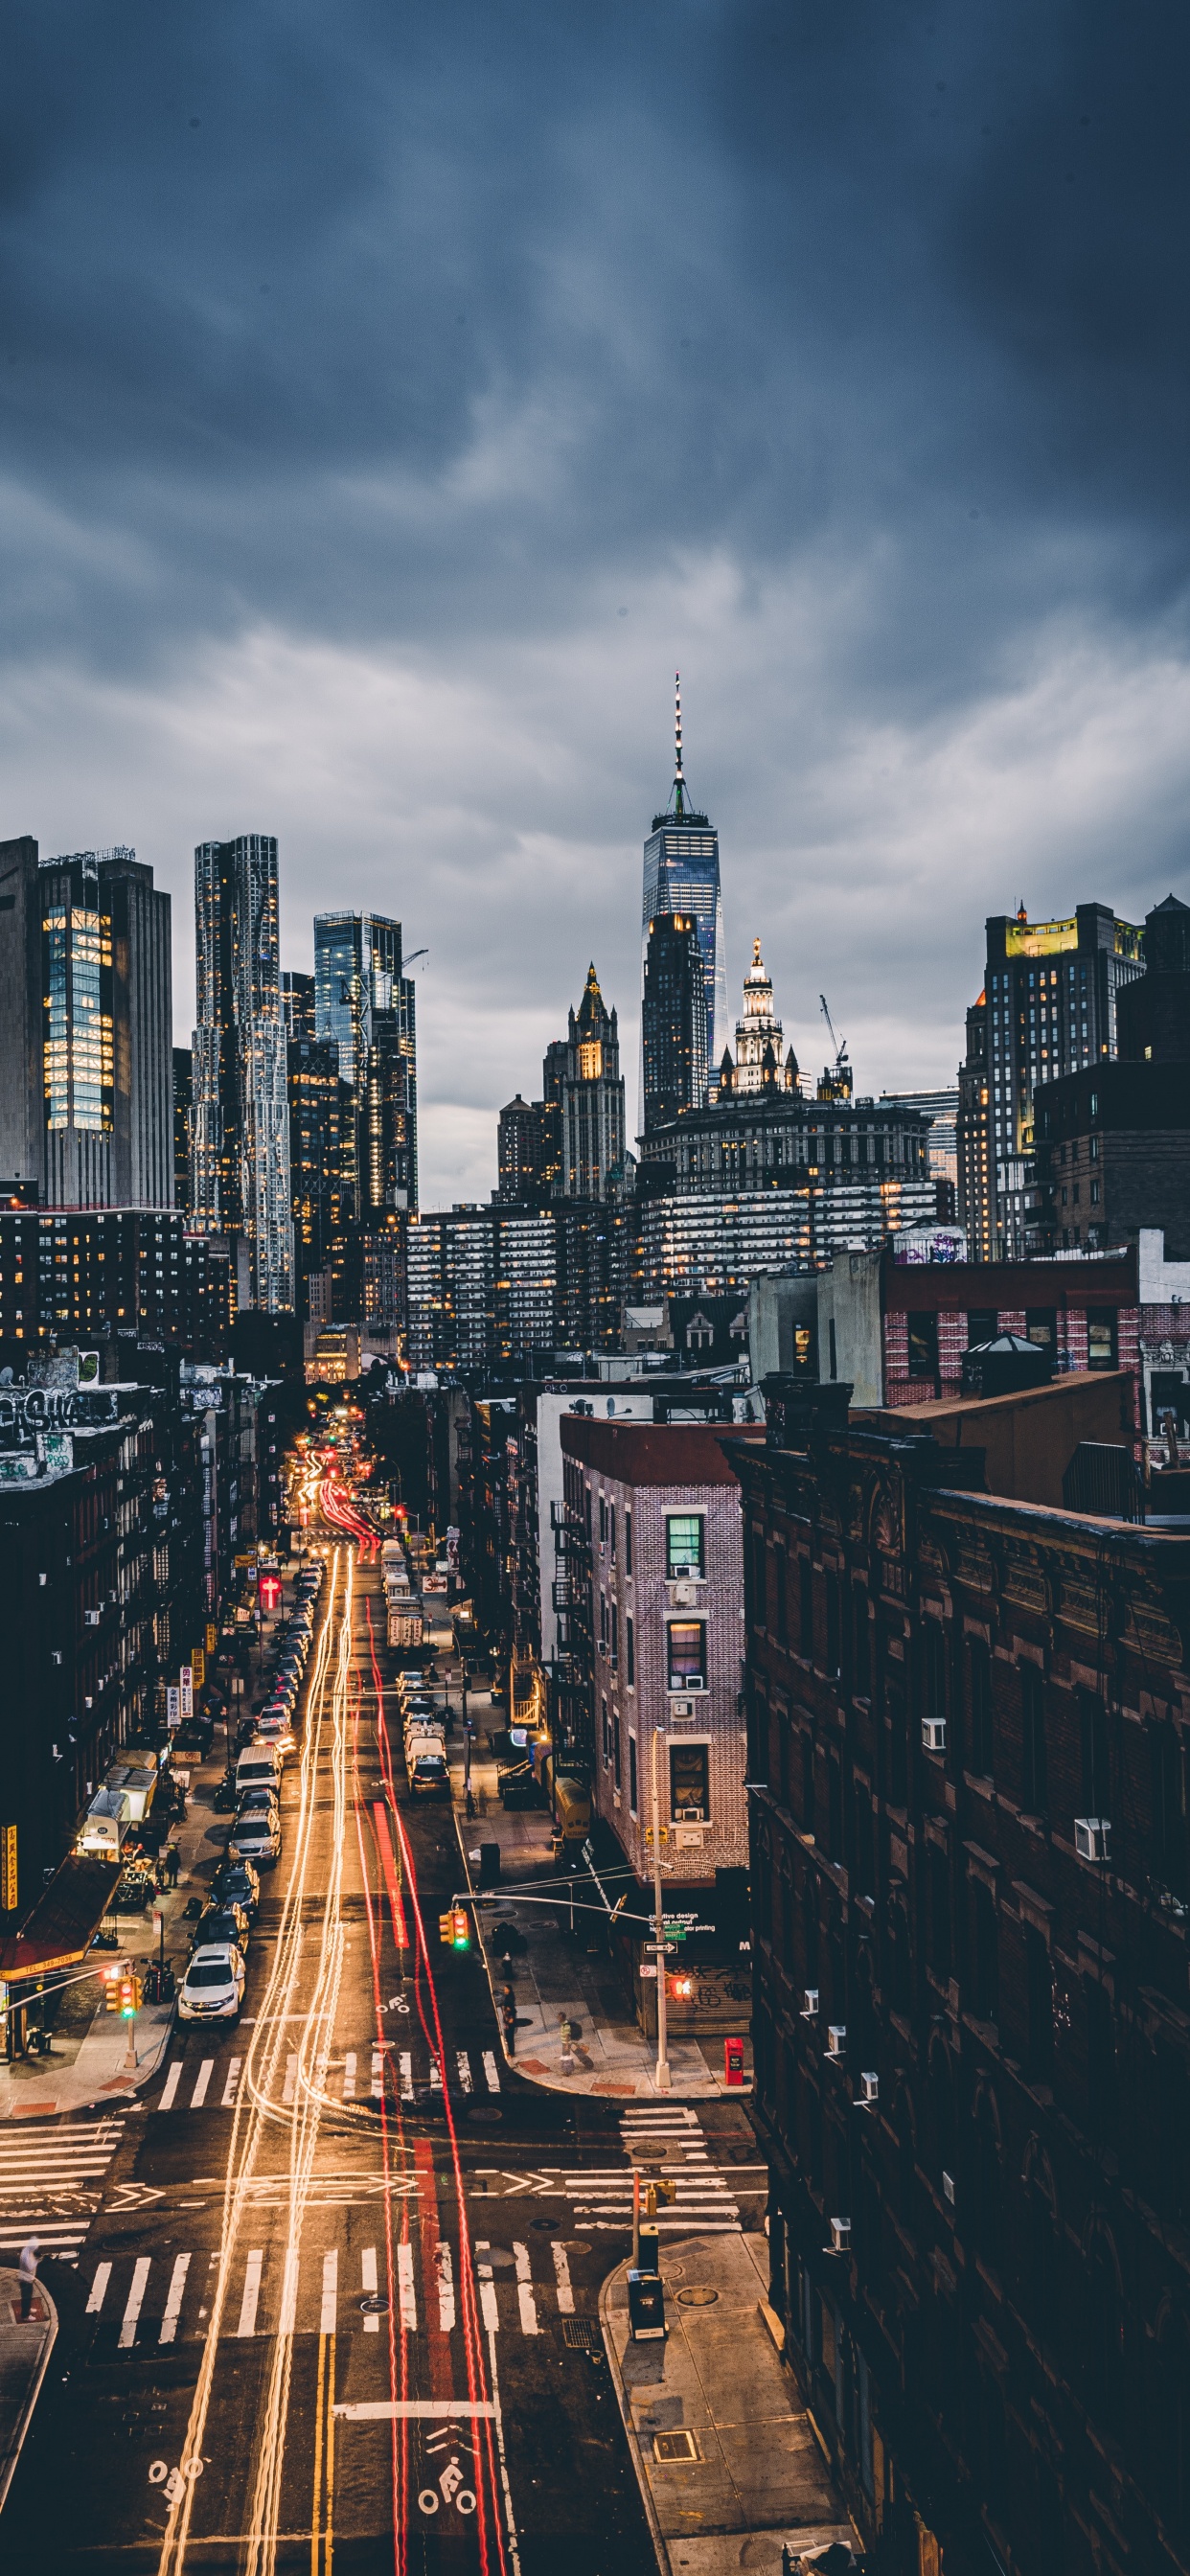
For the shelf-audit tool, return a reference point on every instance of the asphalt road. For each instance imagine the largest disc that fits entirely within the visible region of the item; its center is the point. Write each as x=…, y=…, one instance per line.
x=338, y=2305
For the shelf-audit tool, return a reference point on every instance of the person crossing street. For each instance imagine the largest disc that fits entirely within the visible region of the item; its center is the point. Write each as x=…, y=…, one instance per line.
x=27, y=2267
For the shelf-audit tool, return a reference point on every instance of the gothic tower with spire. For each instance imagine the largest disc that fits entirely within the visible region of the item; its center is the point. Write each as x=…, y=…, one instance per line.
x=584, y=1087
x=681, y=875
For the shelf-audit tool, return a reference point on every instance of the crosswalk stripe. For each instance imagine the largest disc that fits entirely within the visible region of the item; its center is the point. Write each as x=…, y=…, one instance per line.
x=487, y=2289
x=405, y=2064
x=405, y=2287
x=170, y=2086
x=231, y=2087
x=435, y=2076
x=103, y=2274
x=289, y=2291
x=330, y=2291
x=463, y=2063
x=368, y=2277
x=377, y=2075
x=173, y=2304
x=349, y=2077
x=562, y=2269
x=446, y=2286
x=205, y=2072
x=289, y=2087
x=525, y=2298
x=489, y=2068
x=249, y=2302
x=135, y=2300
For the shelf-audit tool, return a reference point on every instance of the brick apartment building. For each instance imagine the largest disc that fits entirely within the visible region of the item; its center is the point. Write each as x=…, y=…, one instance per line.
x=657, y=1638
x=971, y=2030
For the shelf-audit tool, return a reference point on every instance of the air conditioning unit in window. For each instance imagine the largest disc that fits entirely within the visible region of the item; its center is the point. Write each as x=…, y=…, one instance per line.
x=694, y=1681
x=811, y=2010
x=840, y=2237
x=933, y=1734
x=91, y=1618
x=688, y=1815
x=869, y=2091
x=681, y=1708
x=1091, y=1837
x=836, y=2039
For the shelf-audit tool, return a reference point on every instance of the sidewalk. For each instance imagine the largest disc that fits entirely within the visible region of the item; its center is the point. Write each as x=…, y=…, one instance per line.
x=559, y=1975
x=726, y=2456
x=24, y=2353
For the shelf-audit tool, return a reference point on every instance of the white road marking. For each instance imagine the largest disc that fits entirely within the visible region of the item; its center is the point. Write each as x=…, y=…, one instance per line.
x=289, y=2291
x=562, y=2269
x=205, y=2072
x=330, y=2292
x=489, y=2068
x=435, y=2076
x=170, y=2086
x=377, y=2075
x=528, y=2304
x=464, y=2066
x=401, y=2410
x=405, y=2063
x=368, y=2277
x=173, y=2304
x=487, y=2290
x=140, y=2274
x=405, y=2286
x=248, y=2303
x=103, y=2274
x=232, y=2084
x=446, y=2286
x=289, y=2087
x=349, y=2077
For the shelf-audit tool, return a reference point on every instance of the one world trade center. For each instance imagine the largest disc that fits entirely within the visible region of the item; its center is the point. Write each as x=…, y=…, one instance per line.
x=682, y=876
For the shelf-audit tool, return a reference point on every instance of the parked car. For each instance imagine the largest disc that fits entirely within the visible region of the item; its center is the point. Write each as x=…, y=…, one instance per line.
x=236, y=1883
x=428, y=1775
x=276, y=1731
x=263, y=1799
x=213, y=1986
x=256, y=1767
x=256, y=1836
x=229, y=1922
x=192, y=1737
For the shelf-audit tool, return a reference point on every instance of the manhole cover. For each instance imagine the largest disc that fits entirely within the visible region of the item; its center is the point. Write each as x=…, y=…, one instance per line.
x=577, y=2245
x=499, y=2257
x=484, y=2115
x=374, y=2305
x=698, y=2296
x=546, y=2225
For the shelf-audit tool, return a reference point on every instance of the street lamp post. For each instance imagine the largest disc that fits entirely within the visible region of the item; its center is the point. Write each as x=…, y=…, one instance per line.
x=662, y=2072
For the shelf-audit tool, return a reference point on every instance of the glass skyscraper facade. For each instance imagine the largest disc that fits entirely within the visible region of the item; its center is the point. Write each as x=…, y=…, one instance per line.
x=240, y=1181
x=681, y=875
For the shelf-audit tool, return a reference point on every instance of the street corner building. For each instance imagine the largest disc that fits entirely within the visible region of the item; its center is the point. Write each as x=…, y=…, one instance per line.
x=968, y=1721
x=656, y=1636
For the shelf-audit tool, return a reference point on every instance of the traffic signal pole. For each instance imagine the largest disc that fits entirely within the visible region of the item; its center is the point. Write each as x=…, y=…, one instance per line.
x=662, y=2077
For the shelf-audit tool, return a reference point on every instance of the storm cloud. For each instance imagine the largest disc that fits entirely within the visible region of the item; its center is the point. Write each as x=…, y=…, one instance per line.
x=393, y=398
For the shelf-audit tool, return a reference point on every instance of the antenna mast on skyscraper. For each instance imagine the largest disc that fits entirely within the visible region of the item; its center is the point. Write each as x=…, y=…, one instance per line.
x=679, y=781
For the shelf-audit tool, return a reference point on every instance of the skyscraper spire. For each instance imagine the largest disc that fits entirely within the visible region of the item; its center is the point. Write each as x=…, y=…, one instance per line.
x=679, y=781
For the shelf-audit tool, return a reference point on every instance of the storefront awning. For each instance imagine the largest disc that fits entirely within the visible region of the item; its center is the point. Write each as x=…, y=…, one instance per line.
x=59, y=1929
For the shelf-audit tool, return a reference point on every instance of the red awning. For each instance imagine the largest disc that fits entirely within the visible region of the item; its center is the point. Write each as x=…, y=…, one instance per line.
x=59, y=1929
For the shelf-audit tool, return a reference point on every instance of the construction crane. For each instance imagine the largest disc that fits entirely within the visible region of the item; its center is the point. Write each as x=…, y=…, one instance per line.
x=412, y=961
x=839, y=1044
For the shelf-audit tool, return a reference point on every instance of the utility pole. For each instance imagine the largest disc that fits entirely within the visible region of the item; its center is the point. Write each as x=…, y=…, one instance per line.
x=662, y=2072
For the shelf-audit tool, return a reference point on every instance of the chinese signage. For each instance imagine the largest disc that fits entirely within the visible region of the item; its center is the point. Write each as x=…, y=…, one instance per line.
x=186, y=1680
x=8, y=1868
x=173, y=1706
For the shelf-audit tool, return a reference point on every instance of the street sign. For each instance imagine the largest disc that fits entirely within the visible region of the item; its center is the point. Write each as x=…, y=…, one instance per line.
x=173, y=1705
x=186, y=1683
x=648, y=1968
x=8, y=1868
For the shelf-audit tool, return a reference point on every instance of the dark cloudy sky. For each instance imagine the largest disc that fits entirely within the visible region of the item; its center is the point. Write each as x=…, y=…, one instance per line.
x=394, y=396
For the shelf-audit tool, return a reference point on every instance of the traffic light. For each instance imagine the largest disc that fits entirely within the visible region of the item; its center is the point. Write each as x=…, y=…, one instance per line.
x=460, y=1929
x=111, y=1989
x=446, y=1929
x=130, y=1997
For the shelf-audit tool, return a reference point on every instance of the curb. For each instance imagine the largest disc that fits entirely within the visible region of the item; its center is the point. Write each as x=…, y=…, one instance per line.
x=8, y=2464
x=656, y=2534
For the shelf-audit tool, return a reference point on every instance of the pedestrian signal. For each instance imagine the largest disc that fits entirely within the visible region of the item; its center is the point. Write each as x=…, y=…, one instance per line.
x=681, y=1988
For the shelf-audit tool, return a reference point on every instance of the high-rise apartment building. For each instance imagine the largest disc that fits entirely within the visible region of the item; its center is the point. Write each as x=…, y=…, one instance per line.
x=582, y=1080
x=312, y=1072
x=86, y=1061
x=366, y=1007
x=1050, y=999
x=297, y=1005
x=681, y=875
x=183, y=1104
x=673, y=1020
x=240, y=1122
x=1113, y=1141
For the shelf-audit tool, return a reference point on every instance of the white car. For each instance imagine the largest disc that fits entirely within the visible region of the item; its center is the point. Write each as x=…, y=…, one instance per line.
x=213, y=1986
x=256, y=1836
x=278, y=1734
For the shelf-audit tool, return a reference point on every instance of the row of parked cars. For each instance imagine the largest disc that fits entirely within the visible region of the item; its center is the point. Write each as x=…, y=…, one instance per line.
x=213, y=1986
x=424, y=1728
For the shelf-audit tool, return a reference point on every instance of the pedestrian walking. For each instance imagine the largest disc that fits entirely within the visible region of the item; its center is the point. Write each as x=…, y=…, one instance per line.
x=172, y=1862
x=27, y=2267
x=508, y=2017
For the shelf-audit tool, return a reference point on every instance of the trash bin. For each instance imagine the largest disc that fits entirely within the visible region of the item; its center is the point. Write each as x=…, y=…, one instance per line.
x=646, y=2307
x=489, y=1864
